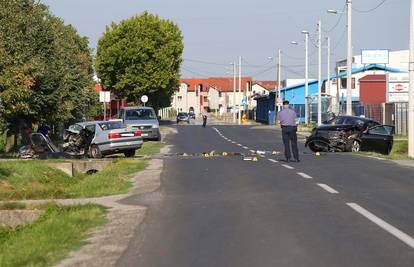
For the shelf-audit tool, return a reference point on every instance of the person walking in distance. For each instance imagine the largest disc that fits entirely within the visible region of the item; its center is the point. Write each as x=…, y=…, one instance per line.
x=205, y=116
x=288, y=121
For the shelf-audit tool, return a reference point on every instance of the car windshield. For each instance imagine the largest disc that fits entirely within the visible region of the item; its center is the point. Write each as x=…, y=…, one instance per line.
x=140, y=114
x=182, y=114
x=75, y=128
x=111, y=125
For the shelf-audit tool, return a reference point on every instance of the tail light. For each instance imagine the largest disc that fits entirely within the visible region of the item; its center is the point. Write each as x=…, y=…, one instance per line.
x=137, y=133
x=114, y=135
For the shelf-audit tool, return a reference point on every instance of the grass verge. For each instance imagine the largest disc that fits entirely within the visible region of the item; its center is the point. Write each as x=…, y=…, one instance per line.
x=150, y=148
x=49, y=239
x=35, y=180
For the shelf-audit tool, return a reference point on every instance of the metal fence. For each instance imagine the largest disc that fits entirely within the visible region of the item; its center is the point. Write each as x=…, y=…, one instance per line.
x=395, y=114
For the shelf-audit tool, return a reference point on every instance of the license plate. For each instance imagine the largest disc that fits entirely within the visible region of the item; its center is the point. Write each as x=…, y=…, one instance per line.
x=144, y=135
x=127, y=135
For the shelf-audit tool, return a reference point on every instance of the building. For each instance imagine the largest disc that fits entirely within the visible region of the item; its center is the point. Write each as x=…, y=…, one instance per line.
x=214, y=93
x=373, y=89
x=296, y=94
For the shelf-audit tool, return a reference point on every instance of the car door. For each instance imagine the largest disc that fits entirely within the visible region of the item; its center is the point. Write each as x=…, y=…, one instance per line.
x=378, y=139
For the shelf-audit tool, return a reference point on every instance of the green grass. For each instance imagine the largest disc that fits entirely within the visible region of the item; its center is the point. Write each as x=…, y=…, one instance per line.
x=399, y=151
x=50, y=238
x=150, y=148
x=35, y=180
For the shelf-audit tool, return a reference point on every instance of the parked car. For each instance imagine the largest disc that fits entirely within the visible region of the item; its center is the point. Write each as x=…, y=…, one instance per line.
x=143, y=119
x=183, y=116
x=351, y=134
x=101, y=138
x=192, y=115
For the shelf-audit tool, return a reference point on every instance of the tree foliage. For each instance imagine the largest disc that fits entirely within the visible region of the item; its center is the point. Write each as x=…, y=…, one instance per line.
x=141, y=55
x=45, y=66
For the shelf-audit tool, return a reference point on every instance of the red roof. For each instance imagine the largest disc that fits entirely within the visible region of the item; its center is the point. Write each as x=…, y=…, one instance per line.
x=221, y=84
x=373, y=78
x=270, y=85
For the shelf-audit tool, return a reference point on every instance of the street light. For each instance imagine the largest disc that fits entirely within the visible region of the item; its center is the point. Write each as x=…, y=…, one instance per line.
x=349, y=56
x=234, y=91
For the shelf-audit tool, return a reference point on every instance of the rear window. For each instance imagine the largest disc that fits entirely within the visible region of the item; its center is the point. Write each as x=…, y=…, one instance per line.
x=139, y=114
x=182, y=114
x=111, y=125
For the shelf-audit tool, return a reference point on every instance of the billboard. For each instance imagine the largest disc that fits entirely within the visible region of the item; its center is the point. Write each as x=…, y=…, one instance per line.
x=398, y=85
x=375, y=56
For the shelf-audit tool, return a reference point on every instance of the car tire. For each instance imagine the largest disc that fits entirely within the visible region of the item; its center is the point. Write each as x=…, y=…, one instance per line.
x=355, y=146
x=130, y=153
x=95, y=152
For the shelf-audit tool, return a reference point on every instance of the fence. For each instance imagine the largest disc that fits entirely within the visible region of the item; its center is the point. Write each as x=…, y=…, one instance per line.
x=395, y=114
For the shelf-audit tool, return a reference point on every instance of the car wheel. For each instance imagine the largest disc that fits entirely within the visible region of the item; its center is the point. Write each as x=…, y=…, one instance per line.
x=95, y=152
x=356, y=146
x=130, y=153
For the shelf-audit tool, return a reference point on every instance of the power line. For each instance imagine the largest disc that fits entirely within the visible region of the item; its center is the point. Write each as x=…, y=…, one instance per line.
x=372, y=9
x=264, y=71
x=206, y=62
x=247, y=64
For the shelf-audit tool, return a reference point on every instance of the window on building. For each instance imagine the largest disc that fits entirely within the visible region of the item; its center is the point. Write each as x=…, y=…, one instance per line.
x=220, y=94
x=343, y=83
x=200, y=87
x=205, y=99
x=180, y=98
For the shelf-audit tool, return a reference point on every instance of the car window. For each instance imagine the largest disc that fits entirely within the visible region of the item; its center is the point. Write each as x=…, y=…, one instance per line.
x=140, y=114
x=91, y=128
x=75, y=128
x=182, y=114
x=381, y=130
x=112, y=125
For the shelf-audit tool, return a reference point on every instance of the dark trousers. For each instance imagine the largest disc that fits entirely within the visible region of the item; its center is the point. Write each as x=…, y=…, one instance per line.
x=290, y=138
x=204, y=121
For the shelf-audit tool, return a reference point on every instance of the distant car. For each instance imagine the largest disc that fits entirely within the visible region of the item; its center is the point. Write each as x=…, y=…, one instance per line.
x=183, y=116
x=101, y=138
x=192, y=115
x=143, y=119
x=351, y=134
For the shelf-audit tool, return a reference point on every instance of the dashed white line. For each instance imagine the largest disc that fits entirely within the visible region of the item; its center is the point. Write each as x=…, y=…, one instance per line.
x=252, y=151
x=383, y=224
x=239, y=144
x=304, y=175
x=287, y=166
x=273, y=160
x=245, y=147
x=328, y=188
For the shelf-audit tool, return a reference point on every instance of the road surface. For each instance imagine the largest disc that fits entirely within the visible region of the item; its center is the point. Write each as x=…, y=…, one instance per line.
x=332, y=210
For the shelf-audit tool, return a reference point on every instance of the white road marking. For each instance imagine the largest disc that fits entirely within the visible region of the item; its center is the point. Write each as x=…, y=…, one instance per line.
x=273, y=160
x=287, y=166
x=328, y=188
x=252, y=151
x=261, y=156
x=245, y=147
x=304, y=175
x=239, y=144
x=383, y=224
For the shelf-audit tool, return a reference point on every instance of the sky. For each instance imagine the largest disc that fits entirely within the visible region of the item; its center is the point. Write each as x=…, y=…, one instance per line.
x=217, y=32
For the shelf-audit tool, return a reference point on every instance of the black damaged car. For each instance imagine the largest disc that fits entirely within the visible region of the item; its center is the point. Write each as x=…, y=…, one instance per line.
x=351, y=134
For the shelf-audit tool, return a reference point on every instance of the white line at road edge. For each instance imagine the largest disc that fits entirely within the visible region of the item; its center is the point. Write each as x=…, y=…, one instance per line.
x=328, y=188
x=245, y=147
x=273, y=160
x=252, y=151
x=304, y=175
x=383, y=224
x=287, y=166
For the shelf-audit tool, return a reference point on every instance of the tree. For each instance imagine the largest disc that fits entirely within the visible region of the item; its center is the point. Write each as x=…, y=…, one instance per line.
x=45, y=67
x=141, y=55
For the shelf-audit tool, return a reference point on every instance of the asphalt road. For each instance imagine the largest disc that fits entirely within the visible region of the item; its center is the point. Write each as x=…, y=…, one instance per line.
x=331, y=210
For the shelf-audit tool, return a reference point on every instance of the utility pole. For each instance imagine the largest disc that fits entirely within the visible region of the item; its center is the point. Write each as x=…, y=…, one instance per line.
x=240, y=85
x=328, y=66
x=319, y=72
x=349, y=61
x=411, y=92
x=306, y=33
x=279, y=75
x=234, y=92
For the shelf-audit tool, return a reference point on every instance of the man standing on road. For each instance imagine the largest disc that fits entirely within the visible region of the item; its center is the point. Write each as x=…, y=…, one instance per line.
x=288, y=120
x=205, y=116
